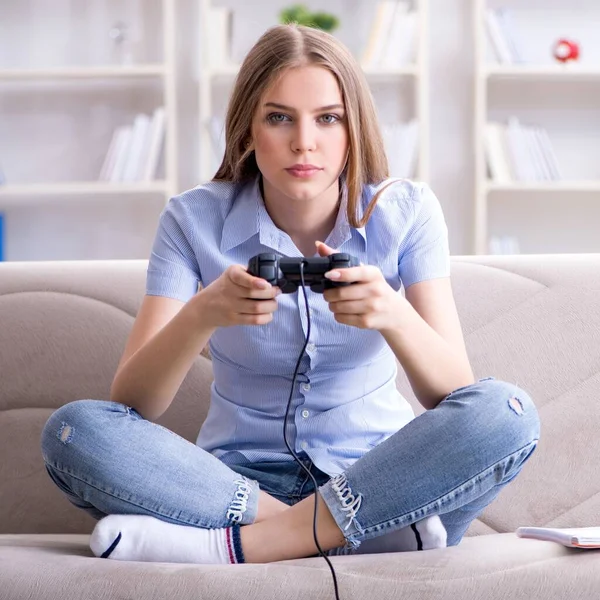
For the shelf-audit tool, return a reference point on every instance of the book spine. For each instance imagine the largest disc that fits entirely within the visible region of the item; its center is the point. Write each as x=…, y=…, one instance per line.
x=496, y=36
x=156, y=137
x=496, y=152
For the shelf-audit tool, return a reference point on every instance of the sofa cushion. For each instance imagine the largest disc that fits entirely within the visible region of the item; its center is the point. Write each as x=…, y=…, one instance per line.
x=499, y=566
x=530, y=320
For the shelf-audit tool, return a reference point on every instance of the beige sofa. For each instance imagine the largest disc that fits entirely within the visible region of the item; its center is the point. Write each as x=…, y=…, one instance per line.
x=533, y=320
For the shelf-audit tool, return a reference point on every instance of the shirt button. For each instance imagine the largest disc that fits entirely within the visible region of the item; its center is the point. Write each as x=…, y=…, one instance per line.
x=304, y=445
x=306, y=387
x=305, y=414
x=311, y=347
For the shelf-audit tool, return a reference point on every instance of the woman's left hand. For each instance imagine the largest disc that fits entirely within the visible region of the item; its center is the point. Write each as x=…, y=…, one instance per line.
x=371, y=303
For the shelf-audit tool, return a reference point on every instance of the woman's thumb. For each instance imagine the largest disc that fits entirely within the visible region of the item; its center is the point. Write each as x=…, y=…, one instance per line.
x=323, y=249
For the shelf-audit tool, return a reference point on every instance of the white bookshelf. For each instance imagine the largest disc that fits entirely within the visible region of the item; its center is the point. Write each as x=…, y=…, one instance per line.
x=548, y=216
x=61, y=118
x=407, y=86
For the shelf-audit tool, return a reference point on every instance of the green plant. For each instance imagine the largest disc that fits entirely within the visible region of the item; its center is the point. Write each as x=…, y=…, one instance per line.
x=299, y=13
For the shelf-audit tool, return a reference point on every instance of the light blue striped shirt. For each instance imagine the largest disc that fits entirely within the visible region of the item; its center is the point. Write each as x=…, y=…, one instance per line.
x=345, y=401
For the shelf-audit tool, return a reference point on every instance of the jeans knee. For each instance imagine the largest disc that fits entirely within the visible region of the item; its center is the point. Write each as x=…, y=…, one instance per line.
x=62, y=425
x=515, y=407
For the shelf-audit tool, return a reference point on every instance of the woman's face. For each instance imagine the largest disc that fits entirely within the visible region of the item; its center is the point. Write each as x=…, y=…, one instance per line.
x=301, y=121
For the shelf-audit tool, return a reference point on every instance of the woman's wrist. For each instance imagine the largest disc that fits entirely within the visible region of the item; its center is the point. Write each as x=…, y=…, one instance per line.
x=199, y=310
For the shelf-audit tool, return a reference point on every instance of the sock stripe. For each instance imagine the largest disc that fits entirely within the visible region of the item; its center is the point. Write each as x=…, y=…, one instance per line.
x=237, y=544
x=418, y=536
x=111, y=548
x=229, y=543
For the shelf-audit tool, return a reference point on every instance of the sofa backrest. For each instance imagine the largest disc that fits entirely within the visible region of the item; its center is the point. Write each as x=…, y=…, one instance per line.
x=532, y=320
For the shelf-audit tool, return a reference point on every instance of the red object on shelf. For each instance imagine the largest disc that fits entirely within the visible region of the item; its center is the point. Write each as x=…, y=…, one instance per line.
x=566, y=50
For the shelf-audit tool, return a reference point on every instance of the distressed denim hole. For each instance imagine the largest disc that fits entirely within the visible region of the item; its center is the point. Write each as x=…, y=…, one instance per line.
x=65, y=434
x=516, y=405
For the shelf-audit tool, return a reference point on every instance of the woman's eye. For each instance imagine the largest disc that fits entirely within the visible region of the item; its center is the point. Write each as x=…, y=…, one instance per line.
x=276, y=118
x=330, y=119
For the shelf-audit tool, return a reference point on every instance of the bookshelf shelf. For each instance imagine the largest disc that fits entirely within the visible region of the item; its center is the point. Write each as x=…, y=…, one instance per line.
x=36, y=193
x=371, y=73
x=541, y=72
x=407, y=71
x=551, y=186
x=97, y=72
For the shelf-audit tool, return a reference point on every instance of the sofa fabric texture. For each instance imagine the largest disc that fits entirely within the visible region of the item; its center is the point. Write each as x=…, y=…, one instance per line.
x=531, y=320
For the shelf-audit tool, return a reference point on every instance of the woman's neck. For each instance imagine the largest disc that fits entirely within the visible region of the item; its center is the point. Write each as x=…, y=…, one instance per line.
x=305, y=221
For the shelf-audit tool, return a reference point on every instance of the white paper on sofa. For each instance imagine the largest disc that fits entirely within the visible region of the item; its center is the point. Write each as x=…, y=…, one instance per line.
x=580, y=537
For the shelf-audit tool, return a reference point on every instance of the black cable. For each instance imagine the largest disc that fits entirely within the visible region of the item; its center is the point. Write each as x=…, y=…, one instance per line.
x=335, y=583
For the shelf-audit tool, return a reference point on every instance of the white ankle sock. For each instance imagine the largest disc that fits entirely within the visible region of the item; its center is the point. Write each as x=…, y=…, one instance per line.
x=144, y=538
x=427, y=534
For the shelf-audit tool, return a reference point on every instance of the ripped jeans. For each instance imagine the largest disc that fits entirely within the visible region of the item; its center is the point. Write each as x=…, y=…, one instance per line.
x=451, y=461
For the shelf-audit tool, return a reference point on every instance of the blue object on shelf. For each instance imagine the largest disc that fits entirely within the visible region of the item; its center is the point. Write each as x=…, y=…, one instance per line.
x=1, y=237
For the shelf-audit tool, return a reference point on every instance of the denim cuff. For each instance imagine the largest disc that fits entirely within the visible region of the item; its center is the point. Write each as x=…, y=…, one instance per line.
x=243, y=507
x=344, y=505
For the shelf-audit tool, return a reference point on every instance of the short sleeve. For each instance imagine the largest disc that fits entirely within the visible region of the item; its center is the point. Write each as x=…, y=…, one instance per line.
x=173, y=269
x=424, y=253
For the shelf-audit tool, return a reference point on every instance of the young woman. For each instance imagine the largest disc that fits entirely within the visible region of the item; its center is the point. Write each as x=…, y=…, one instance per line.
x=304, y=174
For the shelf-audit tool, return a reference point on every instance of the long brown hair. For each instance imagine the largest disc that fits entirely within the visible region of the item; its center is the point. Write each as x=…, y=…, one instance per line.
x=287, y=46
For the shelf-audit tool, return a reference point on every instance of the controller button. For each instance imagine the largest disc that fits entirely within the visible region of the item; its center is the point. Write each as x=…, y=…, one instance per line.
x=267, y=272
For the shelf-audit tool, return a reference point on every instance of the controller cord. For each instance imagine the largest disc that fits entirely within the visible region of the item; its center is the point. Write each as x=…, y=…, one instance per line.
x=335, y=583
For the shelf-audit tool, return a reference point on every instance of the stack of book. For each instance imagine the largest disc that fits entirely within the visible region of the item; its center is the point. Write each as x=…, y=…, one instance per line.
x=503, y=37
x=392, y=38
x=517, y=152
x=135, y=150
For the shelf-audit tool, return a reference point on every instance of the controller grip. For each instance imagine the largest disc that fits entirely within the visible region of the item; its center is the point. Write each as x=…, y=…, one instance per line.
x=264, y=266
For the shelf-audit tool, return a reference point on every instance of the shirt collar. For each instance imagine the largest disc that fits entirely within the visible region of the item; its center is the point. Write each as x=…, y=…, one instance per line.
x=248, y=217
x=241, y=223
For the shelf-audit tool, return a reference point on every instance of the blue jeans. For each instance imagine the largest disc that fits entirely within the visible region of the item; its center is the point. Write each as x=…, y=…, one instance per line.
x=450, y=461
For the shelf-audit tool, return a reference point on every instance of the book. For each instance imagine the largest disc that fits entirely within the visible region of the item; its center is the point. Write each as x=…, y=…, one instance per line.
x=519, y=153
x=506, y=22
x=156, y=135
x=120, y=158
x=496, y=37
x=497, y=153
x=400, y=48
x=378, y=34
x=109, y=159
x=548, y=150
x=136, y=150
x=578, y=537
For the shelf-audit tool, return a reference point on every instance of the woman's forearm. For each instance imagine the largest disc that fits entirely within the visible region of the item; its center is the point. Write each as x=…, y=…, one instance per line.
x=150, y=378
x=432, y=366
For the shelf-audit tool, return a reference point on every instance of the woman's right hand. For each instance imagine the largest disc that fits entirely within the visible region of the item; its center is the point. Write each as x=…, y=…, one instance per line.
x=237, y=298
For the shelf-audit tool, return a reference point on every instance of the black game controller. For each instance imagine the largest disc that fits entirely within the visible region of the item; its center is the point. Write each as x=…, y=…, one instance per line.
x=284, y=271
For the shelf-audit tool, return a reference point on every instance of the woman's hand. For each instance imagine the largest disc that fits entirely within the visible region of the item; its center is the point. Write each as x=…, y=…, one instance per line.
x=371, y=303
x=238, y=298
